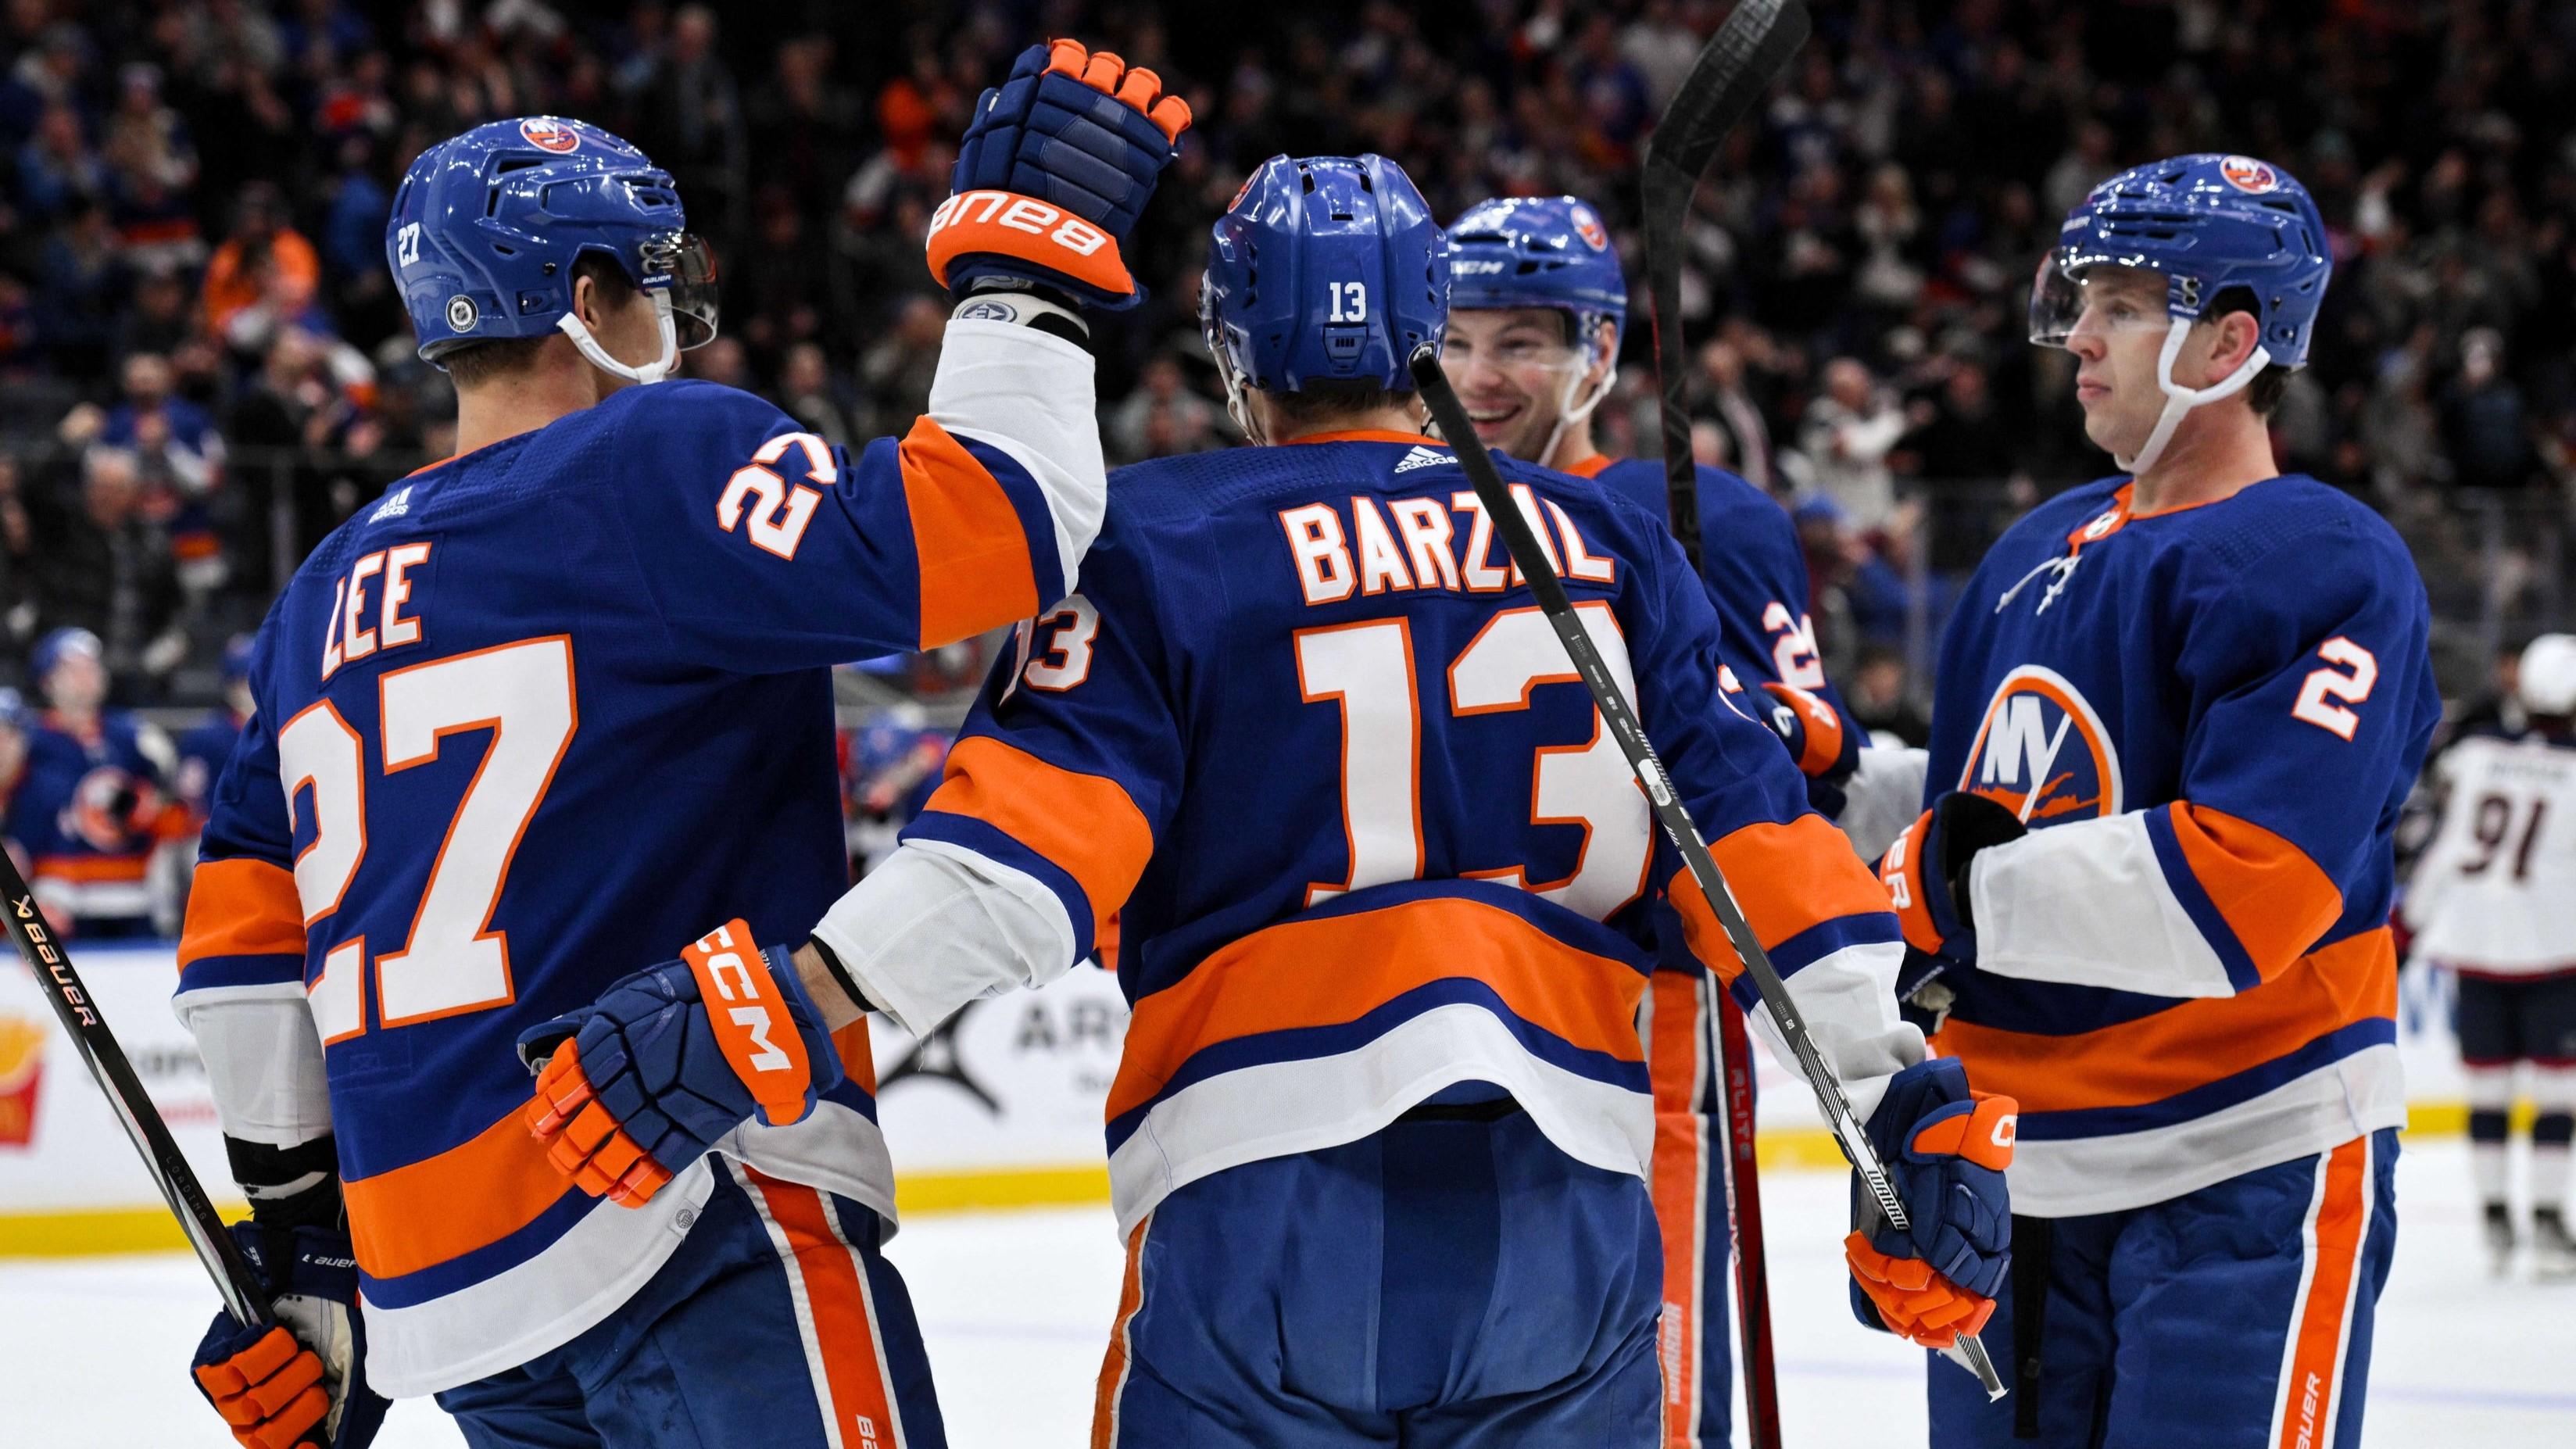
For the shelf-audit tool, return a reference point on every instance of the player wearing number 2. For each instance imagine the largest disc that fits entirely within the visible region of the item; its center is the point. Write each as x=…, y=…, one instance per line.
x=1378, y=1137
x=558, y=705
x=2179, y=709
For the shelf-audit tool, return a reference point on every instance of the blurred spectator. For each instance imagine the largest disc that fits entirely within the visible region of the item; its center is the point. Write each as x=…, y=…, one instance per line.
x=1746, y=446
x=1163, y=417
x=808, y=393
x=106, y=569
x=263, y=263
x=56, y=169
x=896, y=371
x=1875, y=691
x=2482, y=419
x=90, y=808
x=691, y=123
x=1848, y=435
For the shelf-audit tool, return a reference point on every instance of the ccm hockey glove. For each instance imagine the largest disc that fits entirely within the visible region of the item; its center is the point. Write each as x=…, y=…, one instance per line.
x=1946, y=1149
x=303, y=1379
x=1054, y=169
x=674, y=1058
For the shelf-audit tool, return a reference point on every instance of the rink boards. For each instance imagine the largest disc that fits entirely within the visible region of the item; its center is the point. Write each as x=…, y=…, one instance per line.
x=1000, y=1107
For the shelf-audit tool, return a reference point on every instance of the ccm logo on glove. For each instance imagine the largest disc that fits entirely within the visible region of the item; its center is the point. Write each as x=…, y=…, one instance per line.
x=774, y=1067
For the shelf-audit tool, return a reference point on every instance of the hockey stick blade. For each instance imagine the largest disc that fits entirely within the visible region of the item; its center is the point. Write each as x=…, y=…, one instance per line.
x=42, y=949
x=1620, y=720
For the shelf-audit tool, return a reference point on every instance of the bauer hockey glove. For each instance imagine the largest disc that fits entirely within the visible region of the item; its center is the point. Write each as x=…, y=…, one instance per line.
x=1826, y=750
x=1057, y=164
x=1926, y=871
x=1946, y=1149
x=302, y=1379
x=671, y=1060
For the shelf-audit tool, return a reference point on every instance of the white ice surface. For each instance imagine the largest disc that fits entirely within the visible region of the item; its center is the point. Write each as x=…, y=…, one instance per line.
x=93, y=1352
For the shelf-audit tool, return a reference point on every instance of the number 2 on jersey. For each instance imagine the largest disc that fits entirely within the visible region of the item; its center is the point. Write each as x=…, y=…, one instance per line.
x=452, y=961
x=1369, y=670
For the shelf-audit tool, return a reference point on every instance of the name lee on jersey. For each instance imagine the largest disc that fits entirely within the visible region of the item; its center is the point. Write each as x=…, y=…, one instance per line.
x=367, y=606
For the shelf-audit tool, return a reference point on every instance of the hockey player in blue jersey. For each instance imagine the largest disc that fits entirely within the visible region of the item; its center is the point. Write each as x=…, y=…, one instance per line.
x=1537, y=307
x=561, y=703
x=2179, y=709
x=1380, y=1131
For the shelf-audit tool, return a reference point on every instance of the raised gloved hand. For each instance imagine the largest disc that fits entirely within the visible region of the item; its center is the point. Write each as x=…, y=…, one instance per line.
x=673, y=1058
x=303, y=1379
x=1926, y=870
x=1054, y=169
x=1946, y=1149
x=1826, y=752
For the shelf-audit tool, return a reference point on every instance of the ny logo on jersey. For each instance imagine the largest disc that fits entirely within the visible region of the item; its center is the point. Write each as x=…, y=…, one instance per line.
x=2042, y=751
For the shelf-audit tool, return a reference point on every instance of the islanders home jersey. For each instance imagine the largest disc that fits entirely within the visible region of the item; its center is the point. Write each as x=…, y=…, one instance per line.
x=1305, y=734
x=1755, y=572
x=2490, y=895
x=2209, y=717
x=535, y=721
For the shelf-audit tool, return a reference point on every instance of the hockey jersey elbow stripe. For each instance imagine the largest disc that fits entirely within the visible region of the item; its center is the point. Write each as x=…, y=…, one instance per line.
x=2159, y=1057
x=969, y=833
x=445, y=1206
x=2257, y=899
x=242, y=910
x=1086, y=826
x=1788, y=880
x=1263, y=997
x=969, y=534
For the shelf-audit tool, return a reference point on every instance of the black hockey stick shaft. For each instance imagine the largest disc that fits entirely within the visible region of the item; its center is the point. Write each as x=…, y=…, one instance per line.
x=1621, y=721
x=42, y=949
x=1742, y=60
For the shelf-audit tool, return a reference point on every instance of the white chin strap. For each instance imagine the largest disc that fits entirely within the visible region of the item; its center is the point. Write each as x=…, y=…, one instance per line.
x=2180, y=400
x=651, y=372
x=1569, y=412
x=1235, y=406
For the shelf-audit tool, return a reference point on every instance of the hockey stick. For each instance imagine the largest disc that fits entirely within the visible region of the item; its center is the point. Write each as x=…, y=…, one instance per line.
x=43, y=952
x=1670, y=812
x=1741, y=61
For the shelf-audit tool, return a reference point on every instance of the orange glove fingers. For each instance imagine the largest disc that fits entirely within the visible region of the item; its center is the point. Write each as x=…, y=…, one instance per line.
x=1104, y=71
x=1068, y=57
x=1172, y=114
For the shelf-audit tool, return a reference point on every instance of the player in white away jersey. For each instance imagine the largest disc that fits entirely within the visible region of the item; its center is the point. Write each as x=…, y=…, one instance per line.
x=2490, y=901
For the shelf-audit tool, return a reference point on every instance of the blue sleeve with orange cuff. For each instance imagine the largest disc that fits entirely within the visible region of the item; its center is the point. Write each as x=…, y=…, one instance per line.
x=2297, y=680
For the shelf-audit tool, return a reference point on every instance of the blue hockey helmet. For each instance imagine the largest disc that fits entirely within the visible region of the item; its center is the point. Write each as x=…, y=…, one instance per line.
x=2210, y=224
x=1537, y=251
x=1325, y=270
x=58, y=645
x=487, y=226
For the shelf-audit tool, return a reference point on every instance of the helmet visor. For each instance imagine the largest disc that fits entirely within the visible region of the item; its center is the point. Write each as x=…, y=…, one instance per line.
x=2094, y=297
x=690, y=264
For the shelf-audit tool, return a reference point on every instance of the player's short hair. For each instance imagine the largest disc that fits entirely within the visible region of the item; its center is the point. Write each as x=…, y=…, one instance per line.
x=1322, y=402
x=480, y=362
x=2264, y=393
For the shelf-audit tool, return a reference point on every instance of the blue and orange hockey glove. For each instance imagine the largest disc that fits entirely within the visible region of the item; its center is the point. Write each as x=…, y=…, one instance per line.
x=671, y=1060
x=1926, y=871
x=1946, y=1149
x=1826, y=750
x=1054, y=170
x=303, y=1379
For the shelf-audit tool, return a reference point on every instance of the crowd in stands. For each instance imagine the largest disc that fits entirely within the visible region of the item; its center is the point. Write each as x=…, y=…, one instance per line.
x=203, y=369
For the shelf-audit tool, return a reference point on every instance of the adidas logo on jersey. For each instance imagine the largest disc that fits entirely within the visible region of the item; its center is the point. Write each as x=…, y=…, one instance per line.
x=1422, y=457
x=394, y=506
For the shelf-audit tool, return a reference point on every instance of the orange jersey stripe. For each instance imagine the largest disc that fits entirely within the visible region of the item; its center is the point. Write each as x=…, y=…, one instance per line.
x=858, y=1055
x=1113, y=1365
x=2187, y=1045
x=966, y=538
x=1786, y=878
x=242, y=908
x=91, y=869
x=1086, y=824
x=2275, y=899
x=2315, y=1365
x=1674, y=1059
x=1270, y=981
x=858, y=1397
x=422, y=1214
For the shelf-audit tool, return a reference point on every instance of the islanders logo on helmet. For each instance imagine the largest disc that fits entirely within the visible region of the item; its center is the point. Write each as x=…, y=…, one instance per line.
x=2042, y=752
x=1588, y=227
x=2249, y=175
x=548, y=134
